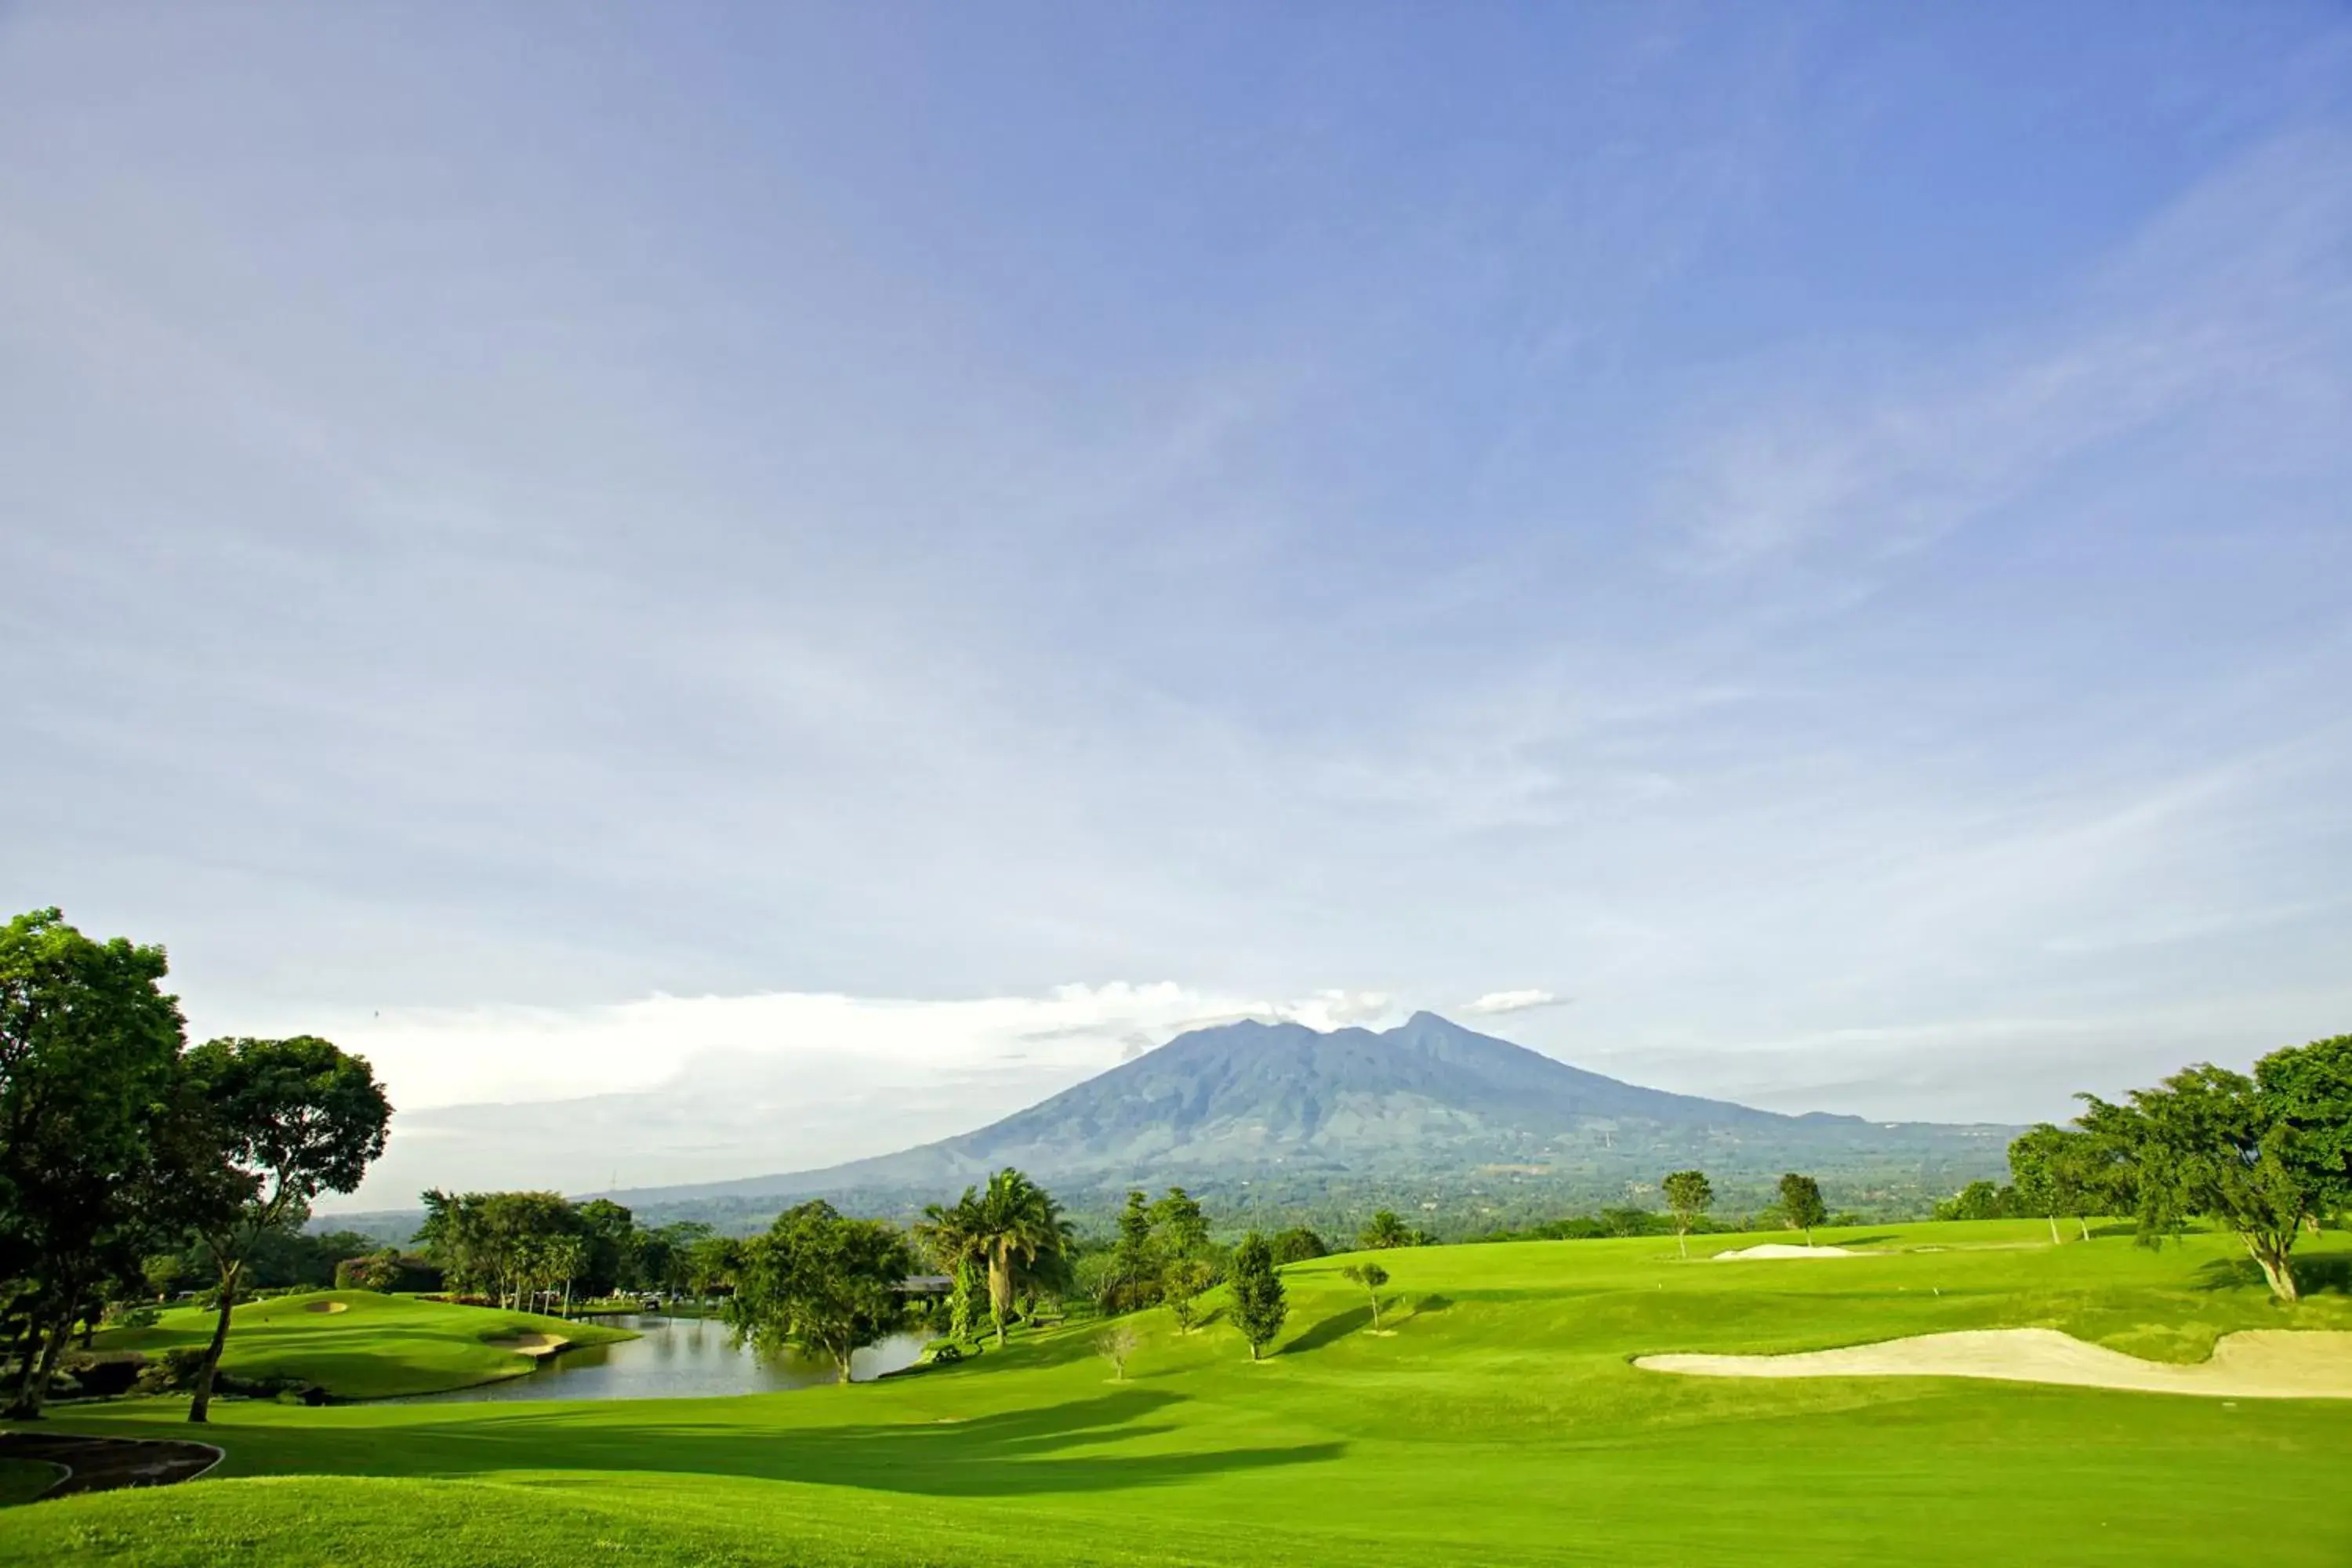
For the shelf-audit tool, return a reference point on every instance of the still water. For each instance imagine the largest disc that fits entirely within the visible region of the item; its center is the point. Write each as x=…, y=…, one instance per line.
x=675, y=1358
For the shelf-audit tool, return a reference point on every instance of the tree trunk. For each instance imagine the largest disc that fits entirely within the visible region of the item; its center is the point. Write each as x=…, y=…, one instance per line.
x=1681, y=1239
x=2054, y=1229
x=1000, y=1292
x=200, y=1407
x=2274, y=1266
x=2083, y=1221
x=32, y=1390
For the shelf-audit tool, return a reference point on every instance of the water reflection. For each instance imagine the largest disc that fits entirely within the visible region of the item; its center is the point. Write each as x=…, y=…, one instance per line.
x=675, y=1358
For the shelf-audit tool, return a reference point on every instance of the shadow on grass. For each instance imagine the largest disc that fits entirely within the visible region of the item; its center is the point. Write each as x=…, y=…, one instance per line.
x=1066, y=1447
x=1867, y=1241
x=2331, y=1274
x=1429, y=1304
x=1331, y=1331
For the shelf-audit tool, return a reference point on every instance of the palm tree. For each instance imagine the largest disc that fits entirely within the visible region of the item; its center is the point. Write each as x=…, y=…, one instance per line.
x=1014, y=1230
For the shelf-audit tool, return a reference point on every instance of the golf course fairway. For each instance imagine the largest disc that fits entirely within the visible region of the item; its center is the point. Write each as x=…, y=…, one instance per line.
x=1500, y=1420
x=357, y=1344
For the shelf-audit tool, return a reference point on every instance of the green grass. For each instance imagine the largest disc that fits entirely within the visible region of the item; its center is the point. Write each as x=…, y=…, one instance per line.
x=376, y=1347
x=1501, y=1423
x=22, y=1480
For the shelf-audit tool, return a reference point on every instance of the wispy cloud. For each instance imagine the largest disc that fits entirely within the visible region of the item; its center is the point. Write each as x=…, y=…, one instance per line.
x=2239, y=294
x=1498, y=1002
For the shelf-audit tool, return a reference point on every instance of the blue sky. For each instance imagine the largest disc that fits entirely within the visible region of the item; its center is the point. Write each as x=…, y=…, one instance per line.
x=1814, y=537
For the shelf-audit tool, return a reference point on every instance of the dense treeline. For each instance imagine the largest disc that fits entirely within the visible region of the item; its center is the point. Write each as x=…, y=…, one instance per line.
x=538, y=1248
x=130, y=1160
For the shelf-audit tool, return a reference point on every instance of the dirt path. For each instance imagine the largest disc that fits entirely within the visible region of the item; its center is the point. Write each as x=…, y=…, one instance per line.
x=106, y=1464
x=2259, y=1363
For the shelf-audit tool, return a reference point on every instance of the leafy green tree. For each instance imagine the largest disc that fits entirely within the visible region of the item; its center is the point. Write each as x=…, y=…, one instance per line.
x=1690, y=1194
x=1371, y=1277
x=1385, y=1231
x=2309, y=1088
x=1981, y=1200
x=2060, y=1173
x=1297, y=1244
x=89, y=1096
x=1181, y=1284
x=609, y=1238
x=1181, y=1224
x=293, y=1118
x=711, y=1264
x=1134, y=1273
x=2211, y=1142
x=825, y=1284
x=1800, y=1204
x=1259, y=1304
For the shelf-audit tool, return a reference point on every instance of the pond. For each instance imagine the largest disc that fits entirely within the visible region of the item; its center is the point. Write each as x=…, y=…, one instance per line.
x=675, y=1358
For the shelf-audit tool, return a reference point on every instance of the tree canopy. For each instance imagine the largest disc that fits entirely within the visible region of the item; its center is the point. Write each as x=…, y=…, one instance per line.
x=825, y=1284
x=1801, y=1205
x=1260, y=1305
x=292, y=1118
x=1689, y=1194
x=2261, y=1156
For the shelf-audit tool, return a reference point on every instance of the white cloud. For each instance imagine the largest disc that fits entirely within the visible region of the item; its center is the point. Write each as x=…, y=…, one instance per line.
x=682, y=1089
x=1495, y=1002
x=433, y=1057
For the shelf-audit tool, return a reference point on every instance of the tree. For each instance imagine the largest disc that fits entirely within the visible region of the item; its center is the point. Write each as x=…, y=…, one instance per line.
x=2309, y=1088
x=1689, y=1194
x=1181, y=1224
x=1371, y=1277
x=293, y=1118
x=825, y=1284
x=2058, y=1173
x=1116, y=1344
x=1259, y=1305
x=1800, y=1204
x=2214, y=1142
x=1982, y=1200
x=1015, y=1229
x=1385, y=1231
x=1297, y=1245
x=91, y=1146
x=610, y=1241
x=1134, y=1260
x=375, y=1271
x=1181, y=1284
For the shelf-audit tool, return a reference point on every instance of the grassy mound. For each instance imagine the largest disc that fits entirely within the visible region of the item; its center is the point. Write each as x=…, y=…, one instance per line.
x=372, y=1347
x=1501, y=1423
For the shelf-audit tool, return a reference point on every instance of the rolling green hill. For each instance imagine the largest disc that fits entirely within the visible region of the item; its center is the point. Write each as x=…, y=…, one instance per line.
x=1501, y=1423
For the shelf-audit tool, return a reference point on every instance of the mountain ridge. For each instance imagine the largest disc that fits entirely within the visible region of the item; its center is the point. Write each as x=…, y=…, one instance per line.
x=1237, y=1099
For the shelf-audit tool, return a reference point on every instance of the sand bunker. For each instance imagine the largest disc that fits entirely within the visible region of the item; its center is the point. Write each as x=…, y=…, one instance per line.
x=532, y=1344
x=1782, y=1250
x=2259, y=1363
x=327, y=1307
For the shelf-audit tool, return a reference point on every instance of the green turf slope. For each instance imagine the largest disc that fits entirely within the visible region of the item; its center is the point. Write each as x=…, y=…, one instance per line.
x=375, y=1347
x=1501, y=1423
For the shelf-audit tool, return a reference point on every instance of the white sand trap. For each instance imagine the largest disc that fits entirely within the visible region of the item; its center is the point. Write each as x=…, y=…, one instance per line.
x=327, y=1307
x=533, y=1344
x=2259, y=1363
x=1782, y=1250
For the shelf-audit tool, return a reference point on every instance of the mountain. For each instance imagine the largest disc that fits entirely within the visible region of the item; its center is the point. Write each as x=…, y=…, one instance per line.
x=1281, y=1101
